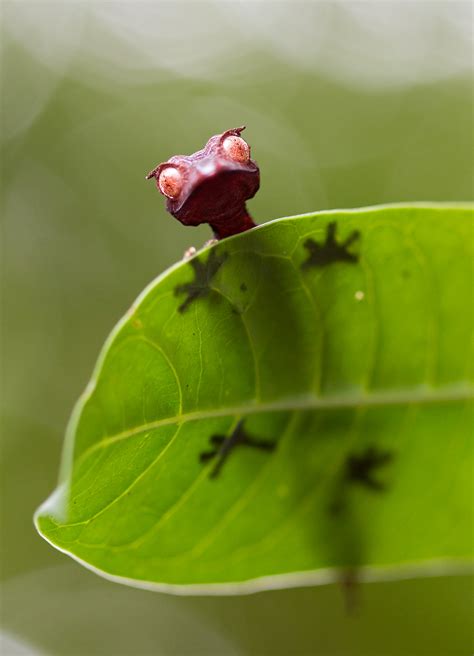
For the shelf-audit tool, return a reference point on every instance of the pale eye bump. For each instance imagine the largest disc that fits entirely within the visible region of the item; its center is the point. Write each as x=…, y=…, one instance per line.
x=236, y=148
x=170, y=182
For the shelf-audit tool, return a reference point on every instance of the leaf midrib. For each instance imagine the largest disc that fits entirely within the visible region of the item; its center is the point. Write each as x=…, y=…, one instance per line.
x=419, y=395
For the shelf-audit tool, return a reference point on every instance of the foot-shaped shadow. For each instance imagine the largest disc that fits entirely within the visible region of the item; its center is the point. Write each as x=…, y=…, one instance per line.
x=223, y=445
x=204, y=272
x=330, y=250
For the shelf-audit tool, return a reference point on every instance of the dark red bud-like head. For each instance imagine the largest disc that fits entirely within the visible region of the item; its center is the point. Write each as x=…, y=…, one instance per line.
x=211, y=185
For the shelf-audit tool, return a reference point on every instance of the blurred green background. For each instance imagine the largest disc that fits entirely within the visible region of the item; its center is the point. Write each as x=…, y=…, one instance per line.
x=347, y=104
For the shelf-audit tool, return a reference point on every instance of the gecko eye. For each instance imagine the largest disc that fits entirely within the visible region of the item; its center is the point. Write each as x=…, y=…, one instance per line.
x=236, y=148
x=170, y=182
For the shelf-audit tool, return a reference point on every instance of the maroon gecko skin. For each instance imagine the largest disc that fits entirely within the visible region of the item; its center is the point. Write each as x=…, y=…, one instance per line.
x=211, y=185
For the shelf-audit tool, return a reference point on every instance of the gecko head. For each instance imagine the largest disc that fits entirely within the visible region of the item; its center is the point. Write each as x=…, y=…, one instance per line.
x=211, y=185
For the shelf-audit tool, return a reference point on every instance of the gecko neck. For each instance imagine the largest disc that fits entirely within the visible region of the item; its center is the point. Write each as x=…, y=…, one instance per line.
x=229, y=226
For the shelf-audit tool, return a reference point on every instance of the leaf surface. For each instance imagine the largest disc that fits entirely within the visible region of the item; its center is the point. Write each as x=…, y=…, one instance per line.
x=293, y=402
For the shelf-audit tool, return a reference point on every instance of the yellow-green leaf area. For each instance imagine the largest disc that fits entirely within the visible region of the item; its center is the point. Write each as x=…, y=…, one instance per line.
x=334, y=351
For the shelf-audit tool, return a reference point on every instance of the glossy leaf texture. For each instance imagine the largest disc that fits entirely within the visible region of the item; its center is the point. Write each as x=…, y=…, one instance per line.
x=291, y=405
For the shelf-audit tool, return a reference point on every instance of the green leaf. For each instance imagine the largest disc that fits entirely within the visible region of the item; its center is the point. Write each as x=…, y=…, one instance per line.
x=340, y=343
